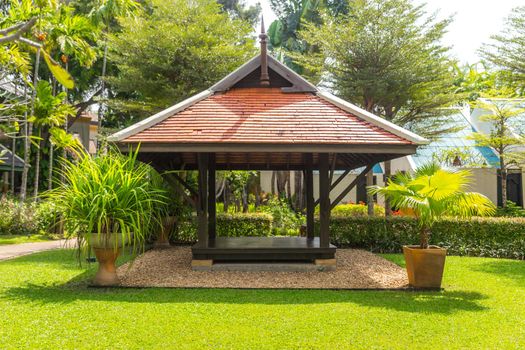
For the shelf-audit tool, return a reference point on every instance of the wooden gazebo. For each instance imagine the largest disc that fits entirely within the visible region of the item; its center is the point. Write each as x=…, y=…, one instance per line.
x=264, y=116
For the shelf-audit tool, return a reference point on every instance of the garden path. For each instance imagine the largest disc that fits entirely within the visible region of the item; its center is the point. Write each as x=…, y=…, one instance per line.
x=15, y=250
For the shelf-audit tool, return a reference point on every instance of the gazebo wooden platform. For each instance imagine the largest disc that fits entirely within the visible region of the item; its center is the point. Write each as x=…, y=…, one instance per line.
x=264, y=116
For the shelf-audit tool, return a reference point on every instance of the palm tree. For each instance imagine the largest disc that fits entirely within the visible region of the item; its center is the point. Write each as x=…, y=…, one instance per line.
x=432, y=193
x=49, y=111
x=104, y=12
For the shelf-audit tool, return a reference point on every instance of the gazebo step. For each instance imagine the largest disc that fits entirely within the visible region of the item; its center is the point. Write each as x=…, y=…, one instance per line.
x=198, y=265
x=263, y=249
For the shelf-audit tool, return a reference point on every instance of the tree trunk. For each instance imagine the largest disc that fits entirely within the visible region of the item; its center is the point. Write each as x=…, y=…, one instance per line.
x=29, y=129
x=244, y=200
x=37, y=165
x=424, y=234
x=103, y=86
x=282, y=183
x=226, y=196
x=273, y=181
x=13, y=150
x=298, y=190
x=288, y=187
x=503, y=179
x=388, y=174
x=258, y=190
x=50, y=171
x=369, y=197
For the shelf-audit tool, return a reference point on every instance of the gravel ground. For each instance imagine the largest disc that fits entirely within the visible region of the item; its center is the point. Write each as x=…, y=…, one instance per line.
x=170, y=267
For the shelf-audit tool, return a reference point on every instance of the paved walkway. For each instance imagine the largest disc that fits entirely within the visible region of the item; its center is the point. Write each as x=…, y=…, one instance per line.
x=11, y=251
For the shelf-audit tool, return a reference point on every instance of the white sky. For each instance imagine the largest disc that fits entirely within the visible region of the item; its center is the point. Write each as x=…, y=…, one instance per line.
x=474, y=22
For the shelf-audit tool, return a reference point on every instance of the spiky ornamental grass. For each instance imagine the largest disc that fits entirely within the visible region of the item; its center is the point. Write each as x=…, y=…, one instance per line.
x=108, y=195
x=431, y=193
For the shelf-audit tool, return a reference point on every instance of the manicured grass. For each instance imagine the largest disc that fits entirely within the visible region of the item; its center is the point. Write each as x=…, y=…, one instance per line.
x=44, y=304
x=16, y=239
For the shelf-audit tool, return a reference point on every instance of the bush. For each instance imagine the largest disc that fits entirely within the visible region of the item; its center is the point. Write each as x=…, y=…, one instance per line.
x=286, y=222
x=354, y=210
x=26, y=218
x=511, y=210
x=229, y=225
x=490, y=237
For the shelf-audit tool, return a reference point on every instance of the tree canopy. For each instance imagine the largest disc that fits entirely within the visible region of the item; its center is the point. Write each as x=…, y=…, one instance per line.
x=507, y=49
x=176, y=51
x=386, y=56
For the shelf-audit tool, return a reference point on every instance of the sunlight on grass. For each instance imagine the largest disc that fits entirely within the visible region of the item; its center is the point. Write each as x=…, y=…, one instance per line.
x=16, y=239
x=45, y=305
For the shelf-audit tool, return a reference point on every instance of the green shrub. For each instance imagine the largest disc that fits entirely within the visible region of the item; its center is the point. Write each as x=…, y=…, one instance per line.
x=286, y=222
x=239, y=225
x=354, y=210
x=229, y=225
x=511, y=210
x=18, y=218
x=490, y=237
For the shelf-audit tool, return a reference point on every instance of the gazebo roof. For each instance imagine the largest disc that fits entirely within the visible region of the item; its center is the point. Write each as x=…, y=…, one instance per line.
x=265, y=116
x=237, y=110
x=6, y=160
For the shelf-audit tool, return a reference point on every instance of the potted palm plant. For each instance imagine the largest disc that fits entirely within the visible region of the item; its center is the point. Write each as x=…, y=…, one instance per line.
x=109, y=201
x=431, y=193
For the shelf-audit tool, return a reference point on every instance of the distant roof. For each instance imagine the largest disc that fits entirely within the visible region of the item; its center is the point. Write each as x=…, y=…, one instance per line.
x=457, y=140
x=7, y=160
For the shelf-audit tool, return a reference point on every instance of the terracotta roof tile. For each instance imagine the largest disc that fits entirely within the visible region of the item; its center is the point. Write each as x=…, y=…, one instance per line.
x=265, y=115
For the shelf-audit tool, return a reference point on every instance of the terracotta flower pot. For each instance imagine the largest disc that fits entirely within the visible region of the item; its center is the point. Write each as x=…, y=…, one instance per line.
x=107, y=248
x=107, y=269
x=167, y=226
x=425, y=266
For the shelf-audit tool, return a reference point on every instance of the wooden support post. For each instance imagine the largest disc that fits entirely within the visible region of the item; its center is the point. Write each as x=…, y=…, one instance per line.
x=310, y=207
x=212, y=207
x=183, y=183
x=349, y=187
x=388, y=173
x=334, y=184
x=324, y=201
x=202, y=208
x=369, y=197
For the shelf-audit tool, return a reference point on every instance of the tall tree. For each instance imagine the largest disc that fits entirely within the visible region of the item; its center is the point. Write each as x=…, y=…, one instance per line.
x=105, y=12
x=504, y=118
x=291, y=16
x=239, y=10
x=49, y=112
x=176, y=51
x=387, y=57
x=507, y=49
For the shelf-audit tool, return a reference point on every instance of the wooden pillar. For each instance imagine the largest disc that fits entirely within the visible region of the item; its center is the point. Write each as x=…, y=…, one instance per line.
x=310, y=204
x=324, y=201
x=369, y=197
x=202, y=207
x=212, y=208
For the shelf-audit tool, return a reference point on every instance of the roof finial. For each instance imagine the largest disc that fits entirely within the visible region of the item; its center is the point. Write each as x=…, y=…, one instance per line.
x=265, y=78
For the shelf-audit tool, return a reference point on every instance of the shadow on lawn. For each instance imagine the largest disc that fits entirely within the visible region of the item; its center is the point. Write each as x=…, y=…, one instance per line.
x=445, y=302
x=510, y=269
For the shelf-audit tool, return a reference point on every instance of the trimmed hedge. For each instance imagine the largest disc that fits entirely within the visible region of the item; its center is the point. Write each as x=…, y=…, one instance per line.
x=490, y=237
x=229, y=225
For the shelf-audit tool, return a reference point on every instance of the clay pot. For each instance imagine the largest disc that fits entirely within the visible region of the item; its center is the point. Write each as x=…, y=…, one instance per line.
x=425, y=266
x=168, y=223
x=107, y=249
x=107, y=269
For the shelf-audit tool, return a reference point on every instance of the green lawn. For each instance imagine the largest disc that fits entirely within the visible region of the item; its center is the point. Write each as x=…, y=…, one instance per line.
x=483, y=307
x=16, y=239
